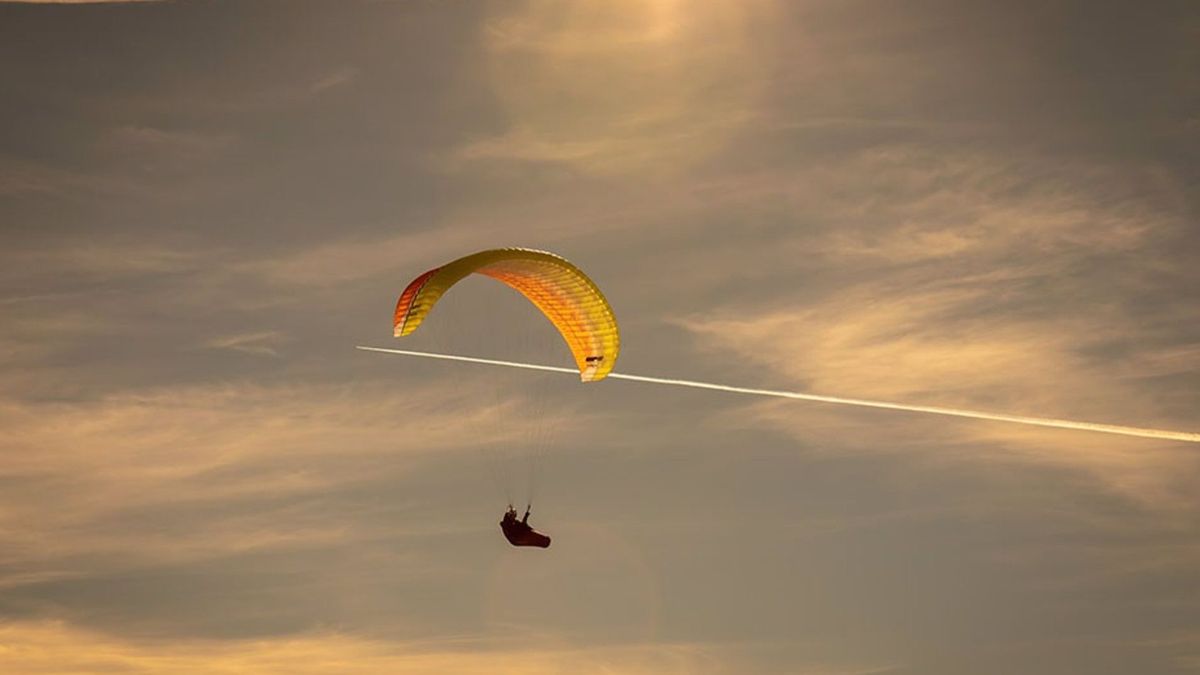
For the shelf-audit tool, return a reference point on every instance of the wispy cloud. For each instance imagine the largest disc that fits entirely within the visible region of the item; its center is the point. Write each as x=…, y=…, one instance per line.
x=619, y=86
x=977, y=285
x=262, y=343
x=96, y=260
x=935, y=346
x=75, y=2
x=56, y=647
x=75, y=466
x=26, y=178
x=336, y=78
x=338, y=262
x=150, y=147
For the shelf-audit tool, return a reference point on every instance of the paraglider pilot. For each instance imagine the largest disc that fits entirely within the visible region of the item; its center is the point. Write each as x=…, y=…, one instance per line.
x=519, y=533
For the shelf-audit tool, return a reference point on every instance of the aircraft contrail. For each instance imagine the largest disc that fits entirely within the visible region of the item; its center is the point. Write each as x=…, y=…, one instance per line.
x=1185, y=436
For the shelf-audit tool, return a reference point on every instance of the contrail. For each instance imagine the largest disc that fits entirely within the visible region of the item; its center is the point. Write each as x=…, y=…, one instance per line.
x=1185, y=436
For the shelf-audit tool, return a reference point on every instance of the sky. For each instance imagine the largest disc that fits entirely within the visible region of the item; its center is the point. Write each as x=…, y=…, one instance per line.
x=204, y=207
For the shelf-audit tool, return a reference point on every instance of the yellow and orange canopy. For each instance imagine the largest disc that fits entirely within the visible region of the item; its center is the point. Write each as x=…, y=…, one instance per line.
x=568, y=298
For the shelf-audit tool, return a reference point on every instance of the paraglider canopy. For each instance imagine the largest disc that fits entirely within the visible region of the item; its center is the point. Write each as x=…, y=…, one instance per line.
x=560, y=290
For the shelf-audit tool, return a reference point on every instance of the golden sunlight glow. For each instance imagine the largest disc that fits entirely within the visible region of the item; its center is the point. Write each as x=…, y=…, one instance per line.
x=619, y=85
x=58, y=647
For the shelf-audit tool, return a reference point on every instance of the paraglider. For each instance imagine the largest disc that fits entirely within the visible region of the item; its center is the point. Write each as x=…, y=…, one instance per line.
x=566, y=296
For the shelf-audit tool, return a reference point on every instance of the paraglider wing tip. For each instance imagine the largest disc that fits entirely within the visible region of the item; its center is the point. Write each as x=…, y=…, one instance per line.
x=591, y=375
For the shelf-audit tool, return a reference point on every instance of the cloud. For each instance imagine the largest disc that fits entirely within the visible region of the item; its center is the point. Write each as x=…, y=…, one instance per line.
x=339, y=262
x=74, y=2
x=972, y=343
x=335, y=78
x=56, y=647
x=107, y=261
x=970, y=281
x=614, y=87
x=76, y=471
x=152, y=147
x=20, y=178
x=63, y=292
x=138, y=162
x=262, y=343
x=564, y=222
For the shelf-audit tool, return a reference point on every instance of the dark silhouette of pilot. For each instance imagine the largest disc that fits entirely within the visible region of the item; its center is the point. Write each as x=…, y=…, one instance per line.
x=519, y=533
